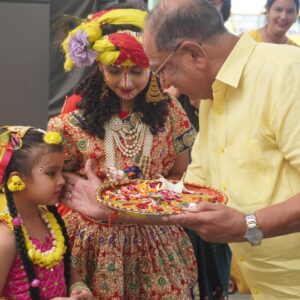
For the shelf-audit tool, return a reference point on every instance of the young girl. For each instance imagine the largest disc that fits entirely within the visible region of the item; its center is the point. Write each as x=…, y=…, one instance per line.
x=34, y=246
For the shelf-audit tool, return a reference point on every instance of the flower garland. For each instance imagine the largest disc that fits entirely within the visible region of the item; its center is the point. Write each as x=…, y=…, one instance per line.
x=54, y=256
x=86, y=43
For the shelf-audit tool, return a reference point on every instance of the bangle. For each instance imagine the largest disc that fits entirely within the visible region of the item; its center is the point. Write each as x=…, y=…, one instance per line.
x=78, y=285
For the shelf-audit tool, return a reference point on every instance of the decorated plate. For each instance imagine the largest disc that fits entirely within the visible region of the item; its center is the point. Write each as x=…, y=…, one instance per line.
x=156, y=197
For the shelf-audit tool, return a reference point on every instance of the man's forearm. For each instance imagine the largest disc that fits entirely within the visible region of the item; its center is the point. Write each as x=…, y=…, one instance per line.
x=280, y=219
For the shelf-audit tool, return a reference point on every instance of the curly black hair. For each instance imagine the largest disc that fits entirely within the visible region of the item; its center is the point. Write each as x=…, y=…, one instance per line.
x=22, y=161
x=97, y=109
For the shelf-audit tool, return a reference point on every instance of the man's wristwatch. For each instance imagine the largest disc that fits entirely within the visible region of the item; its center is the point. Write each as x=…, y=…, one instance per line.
x=253, y=234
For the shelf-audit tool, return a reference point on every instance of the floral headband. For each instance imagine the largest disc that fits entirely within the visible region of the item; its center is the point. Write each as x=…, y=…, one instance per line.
x=86, y=44
x=11, y=140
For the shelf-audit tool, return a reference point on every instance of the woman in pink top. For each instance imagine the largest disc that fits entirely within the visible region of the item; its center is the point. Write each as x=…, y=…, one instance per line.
x=34, y=246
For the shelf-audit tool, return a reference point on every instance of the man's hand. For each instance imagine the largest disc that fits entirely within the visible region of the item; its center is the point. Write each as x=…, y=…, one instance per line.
x=215, y=223
x=79, y=194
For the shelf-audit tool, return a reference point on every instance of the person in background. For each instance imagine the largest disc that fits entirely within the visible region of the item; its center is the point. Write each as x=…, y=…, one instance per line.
x=281, y=15
x=34, y=246
x=224, y=7
x=129, y=129
x=249, y=141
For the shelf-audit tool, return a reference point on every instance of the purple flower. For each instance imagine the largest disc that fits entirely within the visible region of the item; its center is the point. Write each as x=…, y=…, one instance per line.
x=79, y=52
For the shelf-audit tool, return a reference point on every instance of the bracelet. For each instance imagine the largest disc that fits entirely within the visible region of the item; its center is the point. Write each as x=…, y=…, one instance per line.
x=78, y=285
x=113, y=217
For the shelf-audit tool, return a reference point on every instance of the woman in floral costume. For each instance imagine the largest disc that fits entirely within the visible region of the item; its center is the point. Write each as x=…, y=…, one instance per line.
x=128, y=128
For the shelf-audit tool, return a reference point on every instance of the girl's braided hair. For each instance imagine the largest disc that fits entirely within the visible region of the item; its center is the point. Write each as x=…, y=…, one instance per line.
x=22, y=161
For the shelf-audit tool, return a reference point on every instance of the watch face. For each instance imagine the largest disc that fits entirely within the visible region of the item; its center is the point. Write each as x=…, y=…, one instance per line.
x=254, y=235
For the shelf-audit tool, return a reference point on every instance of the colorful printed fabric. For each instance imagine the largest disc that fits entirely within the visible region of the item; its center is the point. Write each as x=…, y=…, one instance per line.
x=177, y=137
x=130, y=261
x=133, y=261
x=52, y=281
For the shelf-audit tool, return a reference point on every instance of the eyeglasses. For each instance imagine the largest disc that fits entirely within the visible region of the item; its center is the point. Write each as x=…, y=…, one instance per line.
x=167, y=59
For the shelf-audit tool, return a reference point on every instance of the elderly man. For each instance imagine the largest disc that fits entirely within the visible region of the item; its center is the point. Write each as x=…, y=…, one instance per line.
x=248, y=145
x=249, y=142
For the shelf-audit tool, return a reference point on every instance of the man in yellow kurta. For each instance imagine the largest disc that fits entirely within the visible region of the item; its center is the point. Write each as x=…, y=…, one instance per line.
x=249, y=140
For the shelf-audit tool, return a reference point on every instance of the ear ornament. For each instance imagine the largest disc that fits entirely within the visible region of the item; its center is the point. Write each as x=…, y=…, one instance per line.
x=15, y=184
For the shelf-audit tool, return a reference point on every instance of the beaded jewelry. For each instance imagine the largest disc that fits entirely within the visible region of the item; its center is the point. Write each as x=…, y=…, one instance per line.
x=132, y=137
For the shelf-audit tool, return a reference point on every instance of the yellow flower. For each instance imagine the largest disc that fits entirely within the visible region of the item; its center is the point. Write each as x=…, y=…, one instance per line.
x=104, y=44
x=52, y=137
x=38, y=256
x=108, y=53
x=31, y=254
x=92, y=30
x=108, y=58
x=68, y=65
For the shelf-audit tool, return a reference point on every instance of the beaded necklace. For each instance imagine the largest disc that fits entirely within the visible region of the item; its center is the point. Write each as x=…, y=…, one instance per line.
x=132, y=137
x=55, y=255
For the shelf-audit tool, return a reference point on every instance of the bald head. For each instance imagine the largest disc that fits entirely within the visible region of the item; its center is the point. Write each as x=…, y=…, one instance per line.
x=175, y=20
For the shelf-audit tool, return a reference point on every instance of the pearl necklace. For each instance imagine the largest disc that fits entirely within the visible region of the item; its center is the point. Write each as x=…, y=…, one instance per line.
x=132, y=137
x=54, y=256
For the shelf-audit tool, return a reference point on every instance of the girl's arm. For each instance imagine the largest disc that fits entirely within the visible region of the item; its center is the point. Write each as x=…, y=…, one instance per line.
x=7, y=253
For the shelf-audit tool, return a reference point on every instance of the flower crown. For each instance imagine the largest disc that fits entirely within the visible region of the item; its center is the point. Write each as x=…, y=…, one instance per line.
x=86, y=44
x=11, y=140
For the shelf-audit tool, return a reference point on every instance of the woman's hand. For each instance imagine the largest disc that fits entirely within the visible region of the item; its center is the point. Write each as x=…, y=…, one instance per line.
x=80, y=194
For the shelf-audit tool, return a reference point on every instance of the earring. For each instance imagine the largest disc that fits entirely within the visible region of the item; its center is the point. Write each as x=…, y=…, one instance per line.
x=15, y=184
x=104, y=91
x=154, y=94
